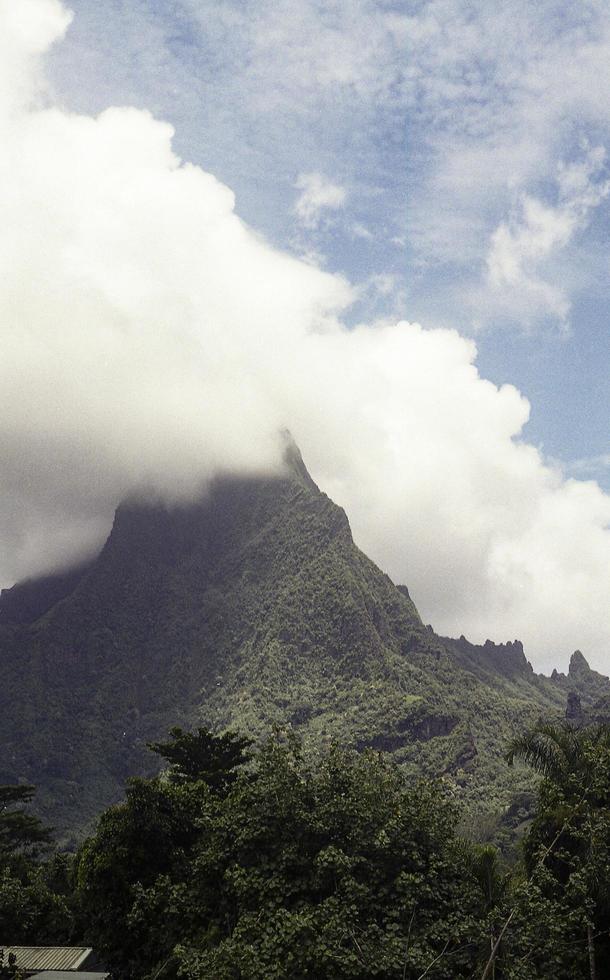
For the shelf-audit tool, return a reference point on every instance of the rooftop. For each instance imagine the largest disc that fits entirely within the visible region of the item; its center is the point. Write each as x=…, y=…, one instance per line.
x=68, y=975
x=53, y=962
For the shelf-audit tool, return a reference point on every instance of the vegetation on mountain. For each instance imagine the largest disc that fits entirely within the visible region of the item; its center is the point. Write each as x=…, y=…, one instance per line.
x=249, y=609
x=379, y=832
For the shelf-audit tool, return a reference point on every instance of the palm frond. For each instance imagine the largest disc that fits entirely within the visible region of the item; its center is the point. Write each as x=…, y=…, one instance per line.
x=552, y=750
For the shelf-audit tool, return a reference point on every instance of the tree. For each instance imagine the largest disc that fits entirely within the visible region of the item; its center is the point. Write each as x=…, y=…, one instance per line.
x=567, y=851
x=21, y=833
x=202, y=755
x=493, y=880
x=329, y=868
x=31, y=911
x=147, y=841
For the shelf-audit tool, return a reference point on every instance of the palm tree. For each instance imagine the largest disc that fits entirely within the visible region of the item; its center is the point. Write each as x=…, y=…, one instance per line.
x=569, y=760
x=557, y=752
x=492, y=880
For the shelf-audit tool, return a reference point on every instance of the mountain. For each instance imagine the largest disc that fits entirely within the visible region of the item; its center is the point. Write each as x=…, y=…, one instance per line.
x=250, y=608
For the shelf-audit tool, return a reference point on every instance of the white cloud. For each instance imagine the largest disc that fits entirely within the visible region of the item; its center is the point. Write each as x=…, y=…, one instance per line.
x=589, y=465
x=532, y=234
x=384, y=284
x=318, y=195
x=297, y=49
x=150, y=339
x=30, y=27
x=507, y=93
x=517, y=248
x=358, y=230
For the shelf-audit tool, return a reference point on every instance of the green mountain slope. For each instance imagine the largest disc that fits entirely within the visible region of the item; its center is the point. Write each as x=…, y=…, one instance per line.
x=251, y=608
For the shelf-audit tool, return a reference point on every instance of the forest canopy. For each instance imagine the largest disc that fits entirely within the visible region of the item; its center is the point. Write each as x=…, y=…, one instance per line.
x=266, y=863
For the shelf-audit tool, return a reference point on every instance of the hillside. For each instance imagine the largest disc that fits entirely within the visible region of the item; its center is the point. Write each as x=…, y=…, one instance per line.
x=250, y=608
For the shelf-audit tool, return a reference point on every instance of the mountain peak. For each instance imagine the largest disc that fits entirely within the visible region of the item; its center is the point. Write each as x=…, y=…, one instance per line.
x=293, y=461
x=578, y=664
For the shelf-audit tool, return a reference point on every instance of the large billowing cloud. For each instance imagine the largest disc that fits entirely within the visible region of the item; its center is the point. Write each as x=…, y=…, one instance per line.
x=150, y=340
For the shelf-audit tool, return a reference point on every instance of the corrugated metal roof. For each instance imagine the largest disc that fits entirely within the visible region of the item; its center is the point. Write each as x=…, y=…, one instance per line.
x=69, y=975
x=49, y=957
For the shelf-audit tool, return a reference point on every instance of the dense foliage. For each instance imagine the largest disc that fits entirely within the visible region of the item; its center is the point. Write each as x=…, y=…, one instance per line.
x=328, y=870
x=35, y=885
x=567, y=853
x=271, y=864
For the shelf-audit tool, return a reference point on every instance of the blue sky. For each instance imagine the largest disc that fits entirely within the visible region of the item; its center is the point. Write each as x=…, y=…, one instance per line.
x=439, y=121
